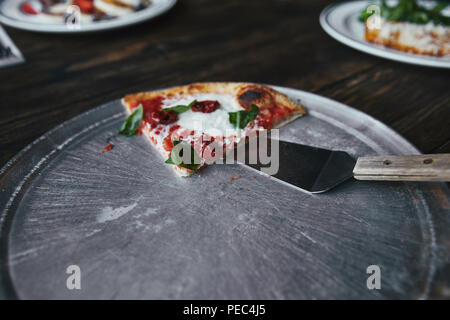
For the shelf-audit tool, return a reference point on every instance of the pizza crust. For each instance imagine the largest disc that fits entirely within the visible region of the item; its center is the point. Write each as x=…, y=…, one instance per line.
x=246, y=94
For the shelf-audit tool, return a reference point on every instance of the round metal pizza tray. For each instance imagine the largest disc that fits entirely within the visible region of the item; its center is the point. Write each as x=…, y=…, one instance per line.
x=136, y=230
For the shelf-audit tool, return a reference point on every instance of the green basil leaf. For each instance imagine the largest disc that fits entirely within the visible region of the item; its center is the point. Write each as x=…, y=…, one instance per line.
x=176, y=158
x=132, y=123
x=180, y=108
x=169, y=161
x=240, y=119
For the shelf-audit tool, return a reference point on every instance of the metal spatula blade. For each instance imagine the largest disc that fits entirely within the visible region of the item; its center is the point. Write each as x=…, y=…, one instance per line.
x=312, y=169
x=318, y=170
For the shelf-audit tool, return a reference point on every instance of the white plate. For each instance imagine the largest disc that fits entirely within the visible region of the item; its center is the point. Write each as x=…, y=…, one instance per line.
x=11, y=15
x=340, y=20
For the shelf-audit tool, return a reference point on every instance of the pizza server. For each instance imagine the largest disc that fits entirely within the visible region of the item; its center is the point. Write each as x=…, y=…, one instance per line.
x=318, y=170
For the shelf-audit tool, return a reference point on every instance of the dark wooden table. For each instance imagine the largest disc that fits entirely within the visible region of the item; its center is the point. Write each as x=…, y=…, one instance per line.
x=266, y=41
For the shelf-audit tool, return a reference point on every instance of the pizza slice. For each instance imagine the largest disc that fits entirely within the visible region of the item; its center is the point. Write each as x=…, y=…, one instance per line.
x=429, y=39
x=409, y=25
x=209, y=117
x=90, y=10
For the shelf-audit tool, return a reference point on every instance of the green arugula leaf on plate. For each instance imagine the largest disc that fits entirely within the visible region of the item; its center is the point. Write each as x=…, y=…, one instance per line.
x=410, y=11
x=132, y=123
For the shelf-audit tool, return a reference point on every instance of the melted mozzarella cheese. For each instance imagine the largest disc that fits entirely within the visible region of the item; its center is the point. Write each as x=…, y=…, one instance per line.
x=58, y=8
x=111, y=9
x=426, y=37
x=56, y=19
x=215, y=123
x=133, y=3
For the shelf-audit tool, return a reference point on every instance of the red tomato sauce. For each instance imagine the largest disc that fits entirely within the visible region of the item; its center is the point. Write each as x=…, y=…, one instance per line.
x=86, y=6
x=27, y=8
x=153, y=113
x=167, y=142
x=206, y=106
x=267, y=117
x=108, y=148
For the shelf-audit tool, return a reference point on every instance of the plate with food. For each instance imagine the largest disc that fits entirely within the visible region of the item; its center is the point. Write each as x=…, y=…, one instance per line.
x=61, y=16
x=410, y=31
x=105, y=195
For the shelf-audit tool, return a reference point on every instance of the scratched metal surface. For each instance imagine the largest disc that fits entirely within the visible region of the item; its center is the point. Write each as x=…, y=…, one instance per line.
x=138, y=231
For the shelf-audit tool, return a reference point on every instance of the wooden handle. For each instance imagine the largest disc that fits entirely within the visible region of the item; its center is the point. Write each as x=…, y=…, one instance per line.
x=428, y=167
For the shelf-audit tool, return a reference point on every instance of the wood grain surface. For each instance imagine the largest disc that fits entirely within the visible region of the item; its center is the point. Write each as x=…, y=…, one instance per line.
x=276, y=42
x=273, y=42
